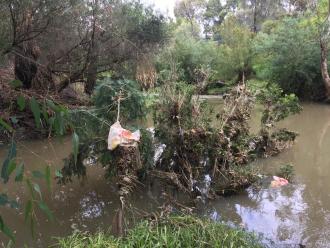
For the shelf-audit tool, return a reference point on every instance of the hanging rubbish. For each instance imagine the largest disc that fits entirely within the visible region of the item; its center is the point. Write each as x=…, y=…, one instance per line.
x=278, y=182
x=119, y=136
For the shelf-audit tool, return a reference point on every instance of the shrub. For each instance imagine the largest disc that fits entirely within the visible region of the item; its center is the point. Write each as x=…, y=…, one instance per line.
x=290, y=56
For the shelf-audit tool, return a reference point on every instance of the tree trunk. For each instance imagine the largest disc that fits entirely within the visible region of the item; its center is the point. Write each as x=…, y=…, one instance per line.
x=324, y=67
x=26, y=53
x=254, y=27
x=93, y=53
x=25, y=65
x=92, y=69
x=324, y=58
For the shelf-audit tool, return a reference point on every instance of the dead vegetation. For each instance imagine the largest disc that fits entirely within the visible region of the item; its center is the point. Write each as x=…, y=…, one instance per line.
x=195, y=147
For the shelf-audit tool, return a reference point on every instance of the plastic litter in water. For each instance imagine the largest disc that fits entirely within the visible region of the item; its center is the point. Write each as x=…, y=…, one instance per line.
x=119, y=136
x=278, y=182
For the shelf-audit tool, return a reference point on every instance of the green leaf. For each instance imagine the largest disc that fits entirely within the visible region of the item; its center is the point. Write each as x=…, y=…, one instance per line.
x=21, y=103
x=46, y=210
x=45, y=113
x=52, y=106
x=30, y=187
x=32, y=226
x=19, y=173
x=75, y=144
x=48, y=178
x=6, y=230
x=5, y=125
x=36, y=187
x=38, y=174
x=28, y=210
x=11, y=167
x=15, y=83
x=35, y=108
x=10, y=156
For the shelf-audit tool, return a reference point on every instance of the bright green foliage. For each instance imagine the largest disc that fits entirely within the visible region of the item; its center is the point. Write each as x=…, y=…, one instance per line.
x=288, y=53
x=187, y=58
x=235, y=51
x=194, y=60
x=171, y=232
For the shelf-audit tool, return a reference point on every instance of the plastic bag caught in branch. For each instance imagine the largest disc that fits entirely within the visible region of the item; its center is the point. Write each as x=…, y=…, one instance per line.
x=119, y=136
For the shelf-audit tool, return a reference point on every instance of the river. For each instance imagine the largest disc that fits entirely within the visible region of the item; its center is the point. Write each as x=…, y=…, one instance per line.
x=298, y=213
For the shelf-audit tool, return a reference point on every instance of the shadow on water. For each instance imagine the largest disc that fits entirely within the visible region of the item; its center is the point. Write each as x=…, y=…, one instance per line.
x=295, y=214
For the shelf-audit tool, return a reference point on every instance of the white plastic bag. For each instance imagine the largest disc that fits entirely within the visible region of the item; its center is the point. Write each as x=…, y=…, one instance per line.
x=119, y=136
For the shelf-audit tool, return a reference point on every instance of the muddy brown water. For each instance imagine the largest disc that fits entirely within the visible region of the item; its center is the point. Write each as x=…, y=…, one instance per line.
x=295, y=214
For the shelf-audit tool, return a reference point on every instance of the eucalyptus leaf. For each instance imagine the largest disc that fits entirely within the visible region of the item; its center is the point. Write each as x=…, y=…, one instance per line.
x=5, y=125
x=11, y=167
x=21, y=103
x=19, y=173
x=28, y=210
x=36, y=187
x=6, y=164
x=75, y=144
x=42, y=205
x=35, y=108
x=6, y=230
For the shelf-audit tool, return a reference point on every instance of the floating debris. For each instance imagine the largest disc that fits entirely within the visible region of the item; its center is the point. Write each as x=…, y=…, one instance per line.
x=278, y=182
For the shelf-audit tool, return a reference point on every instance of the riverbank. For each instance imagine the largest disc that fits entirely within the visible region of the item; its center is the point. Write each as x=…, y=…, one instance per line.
x=184, y=231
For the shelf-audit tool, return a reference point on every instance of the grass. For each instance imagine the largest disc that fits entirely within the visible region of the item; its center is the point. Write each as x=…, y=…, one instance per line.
x=186, y=231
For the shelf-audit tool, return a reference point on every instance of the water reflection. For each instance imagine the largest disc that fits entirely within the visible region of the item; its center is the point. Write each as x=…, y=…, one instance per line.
x=298, y=213
x=91, y=206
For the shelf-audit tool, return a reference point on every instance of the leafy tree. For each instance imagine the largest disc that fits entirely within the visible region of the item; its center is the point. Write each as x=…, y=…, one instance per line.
x=55, y=43
x=322, y=20
x=289, y=55
x=215, y=14
x=187, y=58
x=190, y=10
x=253, y=13
x=235, y=50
